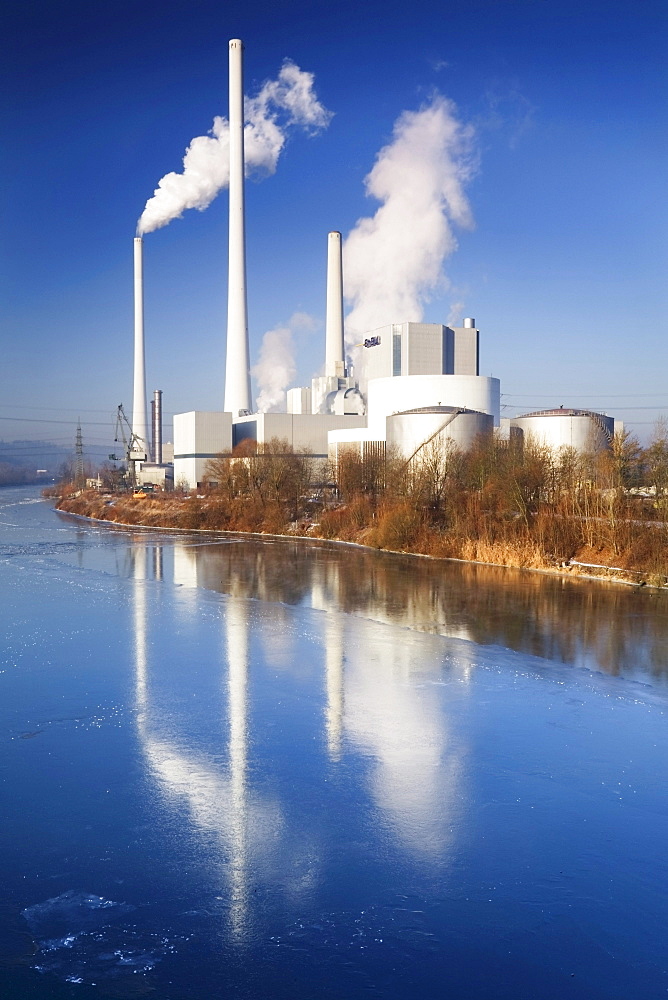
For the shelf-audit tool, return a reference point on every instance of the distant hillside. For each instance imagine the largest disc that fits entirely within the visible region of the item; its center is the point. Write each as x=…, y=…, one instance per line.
x=42, y=461
x=26, y=457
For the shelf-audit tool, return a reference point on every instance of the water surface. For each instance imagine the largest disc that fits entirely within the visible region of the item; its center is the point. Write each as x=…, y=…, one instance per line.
x=253, y=769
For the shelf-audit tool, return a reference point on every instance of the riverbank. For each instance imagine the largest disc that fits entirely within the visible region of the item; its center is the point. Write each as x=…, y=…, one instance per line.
x=383, y=529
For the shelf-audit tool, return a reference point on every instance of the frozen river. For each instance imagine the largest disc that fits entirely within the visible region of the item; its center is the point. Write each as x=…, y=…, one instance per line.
x=253, y=769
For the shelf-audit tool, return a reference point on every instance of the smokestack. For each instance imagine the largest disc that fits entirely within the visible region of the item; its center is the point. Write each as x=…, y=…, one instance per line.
x=334, y=349
x=139, y=424
x=237, y=368
x=156, y=413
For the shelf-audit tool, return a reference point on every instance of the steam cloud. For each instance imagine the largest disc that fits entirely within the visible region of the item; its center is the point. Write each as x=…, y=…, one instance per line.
x=276, y=366
x=281, y=105
x=393, y=261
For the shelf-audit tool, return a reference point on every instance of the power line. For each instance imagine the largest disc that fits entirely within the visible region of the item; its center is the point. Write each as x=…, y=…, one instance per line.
x=57, y=409
x=43, y=420
x=65, y=409
x=583, y=395
x=516, y=406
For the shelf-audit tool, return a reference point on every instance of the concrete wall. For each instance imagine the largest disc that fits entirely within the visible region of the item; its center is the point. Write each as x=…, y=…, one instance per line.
x=394, y=395
x=198, y=437
x=466, y=350
x=299, y=400
x=301, y=430
x=418, y=349
x=366, y=450
x=424, y=349
x=156, y=475
x=375, y=360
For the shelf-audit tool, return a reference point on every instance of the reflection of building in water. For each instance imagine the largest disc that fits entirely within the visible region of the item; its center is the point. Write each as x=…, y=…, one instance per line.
x=185, y=565
x=324, y=589
x=237, y=685
x=601, y=627
x=375, y=699
x=396, y=715
x=374, y=695
x=334, y=680
x=140, y=631
x=219, y=803
x=157, y=562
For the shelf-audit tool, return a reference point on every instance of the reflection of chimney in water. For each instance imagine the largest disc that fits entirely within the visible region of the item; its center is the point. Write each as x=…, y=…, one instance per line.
x=139, y=576
x=157, y=562
x=334, y=676
x=236, y=620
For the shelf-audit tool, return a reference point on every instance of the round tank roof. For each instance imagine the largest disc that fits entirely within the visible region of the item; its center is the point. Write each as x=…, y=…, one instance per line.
x=561, y=411
x=434, y=409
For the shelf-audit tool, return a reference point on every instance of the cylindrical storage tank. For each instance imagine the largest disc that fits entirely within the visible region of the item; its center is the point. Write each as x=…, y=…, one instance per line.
x=400, y=393
x=413, y=431
x=583, y=430
x=469, y=323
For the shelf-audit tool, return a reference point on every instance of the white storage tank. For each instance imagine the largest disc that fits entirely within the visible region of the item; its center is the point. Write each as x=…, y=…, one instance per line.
x=583, y=430
x=386, y=396
x=411, y=431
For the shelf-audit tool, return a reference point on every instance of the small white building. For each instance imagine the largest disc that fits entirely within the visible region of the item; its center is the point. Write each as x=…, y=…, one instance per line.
x=301, y=430
x=199, y=436
x=152, y=474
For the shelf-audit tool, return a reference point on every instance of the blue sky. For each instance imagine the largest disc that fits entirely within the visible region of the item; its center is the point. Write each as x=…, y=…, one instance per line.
x=564, y=268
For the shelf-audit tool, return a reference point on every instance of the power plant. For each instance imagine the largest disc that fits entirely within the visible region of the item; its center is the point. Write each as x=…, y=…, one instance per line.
x=413, y=383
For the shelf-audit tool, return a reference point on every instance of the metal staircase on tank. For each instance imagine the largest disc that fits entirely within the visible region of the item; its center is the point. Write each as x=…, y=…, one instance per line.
x=603, y=428
x=446, y=423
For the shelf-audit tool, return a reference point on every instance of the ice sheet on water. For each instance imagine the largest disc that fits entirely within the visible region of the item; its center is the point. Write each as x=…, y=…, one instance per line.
x=397, y=928
x=83, y=938
x=72, y=912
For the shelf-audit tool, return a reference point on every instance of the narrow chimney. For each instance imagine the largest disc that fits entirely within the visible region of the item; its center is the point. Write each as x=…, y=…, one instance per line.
x=139, y=423
x=156, y=410
x=237, y=366
x=334, y=347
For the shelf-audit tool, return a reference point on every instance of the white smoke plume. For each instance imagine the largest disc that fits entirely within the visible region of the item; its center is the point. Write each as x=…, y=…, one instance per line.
x=276, y=367
x=281, y=105
x=393, y=261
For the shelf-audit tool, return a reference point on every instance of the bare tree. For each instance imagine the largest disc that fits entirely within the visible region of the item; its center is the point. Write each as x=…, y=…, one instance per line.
x=656, y=456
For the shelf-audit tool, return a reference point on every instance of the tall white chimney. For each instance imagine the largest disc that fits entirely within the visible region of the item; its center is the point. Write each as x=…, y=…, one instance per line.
x=334, y=347
x=139, y=421
x=237, y=366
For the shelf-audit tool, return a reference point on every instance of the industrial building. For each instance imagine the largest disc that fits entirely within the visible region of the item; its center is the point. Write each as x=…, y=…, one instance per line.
x=419, y=349
x=413, y=383
x=199, y=436
x=420, y=382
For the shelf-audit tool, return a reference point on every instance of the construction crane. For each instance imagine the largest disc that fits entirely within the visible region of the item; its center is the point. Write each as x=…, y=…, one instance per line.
x=134, y=447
